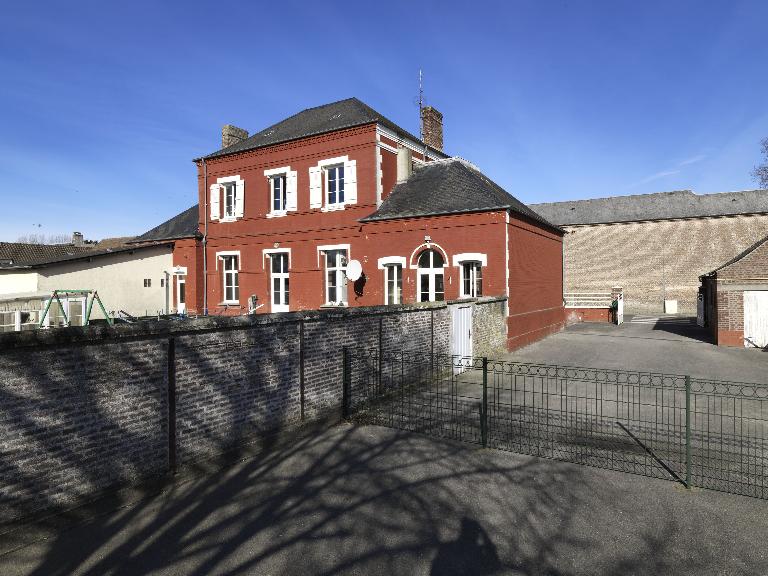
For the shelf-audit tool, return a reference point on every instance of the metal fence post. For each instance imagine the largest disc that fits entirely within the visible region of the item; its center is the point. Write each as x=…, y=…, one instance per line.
x=484, y=409
x=687, y=431
x=346, y=380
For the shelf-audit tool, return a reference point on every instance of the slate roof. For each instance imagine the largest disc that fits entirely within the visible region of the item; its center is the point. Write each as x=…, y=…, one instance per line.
x=451, y=186
x=184, y=225
x=657, y=206
x=319, y=120
x=16, y=255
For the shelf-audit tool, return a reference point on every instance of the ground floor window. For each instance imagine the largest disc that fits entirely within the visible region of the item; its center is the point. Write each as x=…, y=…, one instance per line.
x=335, y=277
x=280, y=281
x=393, y=284
x=471, y=279
x=431, y=279
x=230, y=265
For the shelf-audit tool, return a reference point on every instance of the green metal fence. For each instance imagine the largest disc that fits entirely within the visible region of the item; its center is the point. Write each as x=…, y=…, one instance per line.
x=699, y=432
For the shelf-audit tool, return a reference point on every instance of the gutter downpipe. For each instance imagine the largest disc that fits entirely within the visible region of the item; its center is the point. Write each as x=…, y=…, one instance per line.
x=205, y=241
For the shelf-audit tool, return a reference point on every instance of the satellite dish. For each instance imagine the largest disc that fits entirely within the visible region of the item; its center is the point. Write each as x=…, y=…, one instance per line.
x=354, y=270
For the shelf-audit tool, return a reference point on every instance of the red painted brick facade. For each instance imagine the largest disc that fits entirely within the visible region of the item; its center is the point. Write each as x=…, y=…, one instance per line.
x=531, y=252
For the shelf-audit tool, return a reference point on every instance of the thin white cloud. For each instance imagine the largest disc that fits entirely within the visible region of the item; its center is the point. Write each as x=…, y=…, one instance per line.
x=692, y=160
x=657, y=176
x=676, y=169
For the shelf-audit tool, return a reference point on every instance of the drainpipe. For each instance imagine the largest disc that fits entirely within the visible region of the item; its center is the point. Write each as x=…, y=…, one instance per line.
x=562, y=259
x=205, y=241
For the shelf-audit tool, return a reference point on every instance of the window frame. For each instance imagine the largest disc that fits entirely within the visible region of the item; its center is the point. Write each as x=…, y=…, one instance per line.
x=282, y=178
x=471, y=275
x=338, y=204
x=459, y=260
x=340, y=277
x=228, y=187
x=397, y=281
x=431, y=274
x=283, y=278
x=225, y=257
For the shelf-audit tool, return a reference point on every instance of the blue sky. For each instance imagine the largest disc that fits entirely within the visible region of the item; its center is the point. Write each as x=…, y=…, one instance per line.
x=103, y=105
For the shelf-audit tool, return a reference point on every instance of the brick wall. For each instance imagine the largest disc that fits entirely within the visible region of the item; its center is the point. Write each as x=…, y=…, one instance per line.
x=83, y=410
x=644, y=257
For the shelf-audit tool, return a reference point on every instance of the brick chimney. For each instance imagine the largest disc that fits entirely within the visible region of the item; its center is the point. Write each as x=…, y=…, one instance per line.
x=432, y=127
x=232, y=135
x=77, y=238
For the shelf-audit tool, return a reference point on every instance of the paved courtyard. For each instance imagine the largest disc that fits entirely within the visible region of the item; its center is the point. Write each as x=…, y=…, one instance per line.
x=672, y=345
x=370, y=500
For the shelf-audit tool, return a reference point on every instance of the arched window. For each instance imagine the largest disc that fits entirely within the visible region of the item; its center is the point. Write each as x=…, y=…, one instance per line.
x=431, y=282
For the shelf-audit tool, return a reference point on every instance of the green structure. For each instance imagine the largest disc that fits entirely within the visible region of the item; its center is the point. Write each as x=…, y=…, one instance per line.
x=94, y=297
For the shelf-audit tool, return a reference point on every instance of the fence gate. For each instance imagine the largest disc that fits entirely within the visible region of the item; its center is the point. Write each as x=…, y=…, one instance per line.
x=461, y=332
x=756, y=318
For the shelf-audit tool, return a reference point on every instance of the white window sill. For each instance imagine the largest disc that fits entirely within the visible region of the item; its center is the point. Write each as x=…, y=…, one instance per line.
x=230, y=303
x=335, y=305
x=332, y=207
x=228, y=219
x=277, y=214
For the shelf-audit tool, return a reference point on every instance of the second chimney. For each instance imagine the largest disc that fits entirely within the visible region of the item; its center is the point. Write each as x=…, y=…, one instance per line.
x=432, y=127
x=77, y=239
x=232, y=135
x=404, y=164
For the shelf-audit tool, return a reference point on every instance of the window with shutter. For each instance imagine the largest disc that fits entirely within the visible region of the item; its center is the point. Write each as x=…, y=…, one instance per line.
x=291, y=194
x=239, y=198
x=214, y=201
x=315, y=188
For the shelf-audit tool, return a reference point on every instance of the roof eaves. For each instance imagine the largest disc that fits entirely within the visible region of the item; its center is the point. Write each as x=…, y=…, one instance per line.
x=95, y=254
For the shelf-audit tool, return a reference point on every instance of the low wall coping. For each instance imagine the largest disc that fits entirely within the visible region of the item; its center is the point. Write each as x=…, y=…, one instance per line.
x=159, y=329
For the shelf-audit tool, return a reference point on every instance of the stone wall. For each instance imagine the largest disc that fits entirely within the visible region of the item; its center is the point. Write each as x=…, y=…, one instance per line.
x=83, y=410
x=489, y=328
x=650, y=259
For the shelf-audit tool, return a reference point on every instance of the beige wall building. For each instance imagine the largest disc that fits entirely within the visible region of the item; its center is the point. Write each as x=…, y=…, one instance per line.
x=130, y=278
x=655, y=245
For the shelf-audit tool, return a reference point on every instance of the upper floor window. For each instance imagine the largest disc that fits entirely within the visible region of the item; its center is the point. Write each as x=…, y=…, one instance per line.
x=471, y=279
x=227, y=198
x=334, y=185
x=230, y=189
x=431, y=279
x=277, y=189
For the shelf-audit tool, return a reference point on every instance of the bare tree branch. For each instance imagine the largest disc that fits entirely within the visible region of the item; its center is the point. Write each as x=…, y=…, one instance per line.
x=760, y=172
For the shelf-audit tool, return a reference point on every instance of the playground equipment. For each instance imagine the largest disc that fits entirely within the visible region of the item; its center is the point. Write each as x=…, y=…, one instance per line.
x=90, y=295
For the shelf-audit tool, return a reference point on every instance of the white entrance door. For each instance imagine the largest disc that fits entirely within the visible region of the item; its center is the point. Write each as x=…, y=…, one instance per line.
x=756, y=318
x=461, y=335
x=181, y=294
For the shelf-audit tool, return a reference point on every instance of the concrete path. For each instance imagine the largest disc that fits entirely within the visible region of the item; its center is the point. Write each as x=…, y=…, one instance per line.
x=369, y=500
x=670, y=345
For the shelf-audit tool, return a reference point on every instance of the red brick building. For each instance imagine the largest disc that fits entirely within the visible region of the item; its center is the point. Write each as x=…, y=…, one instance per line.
x=284, y=213
x=735, y=299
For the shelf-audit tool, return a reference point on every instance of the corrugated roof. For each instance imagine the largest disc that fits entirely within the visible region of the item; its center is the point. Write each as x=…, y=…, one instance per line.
x=657, y=206
x=313, y=121
x=184, y=225
x=450, y=186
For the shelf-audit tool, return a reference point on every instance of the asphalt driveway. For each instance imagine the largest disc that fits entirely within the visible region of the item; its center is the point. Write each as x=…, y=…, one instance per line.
x=670, y=345
x=370, y=500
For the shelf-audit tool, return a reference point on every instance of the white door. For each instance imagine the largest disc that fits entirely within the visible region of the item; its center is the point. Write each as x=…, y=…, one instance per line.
x=181, y=294
x=461, y=336
x=756, y=318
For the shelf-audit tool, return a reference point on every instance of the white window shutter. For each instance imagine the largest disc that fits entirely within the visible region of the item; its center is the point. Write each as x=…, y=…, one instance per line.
x=215, y=201
x=290, y=190
x=350, y=182
x=315, y=188
x=239, y=198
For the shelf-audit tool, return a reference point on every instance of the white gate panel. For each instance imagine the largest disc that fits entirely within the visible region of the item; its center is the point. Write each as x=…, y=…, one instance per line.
x=756, y=318
x=461, y=333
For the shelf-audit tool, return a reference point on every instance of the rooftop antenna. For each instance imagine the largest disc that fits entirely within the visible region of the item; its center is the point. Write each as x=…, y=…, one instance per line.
x=421, y=106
